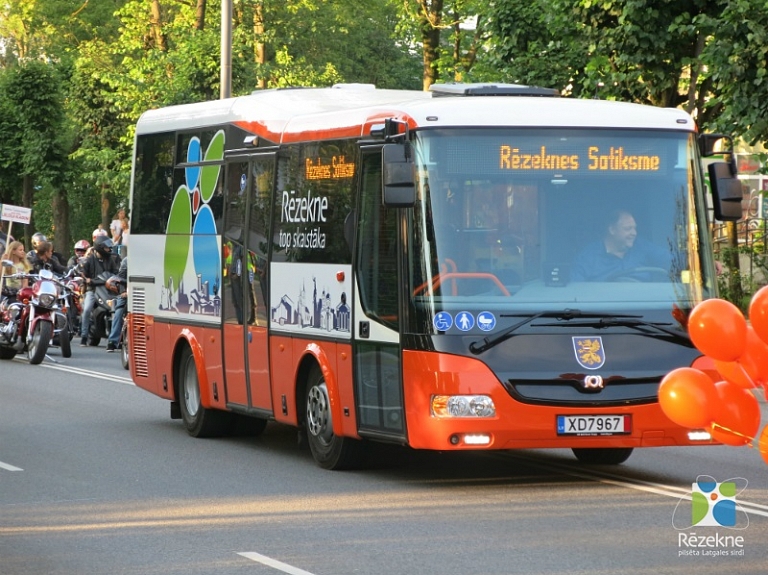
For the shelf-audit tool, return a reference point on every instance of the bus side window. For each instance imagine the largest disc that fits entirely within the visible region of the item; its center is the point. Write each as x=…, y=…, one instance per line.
x=376, y=255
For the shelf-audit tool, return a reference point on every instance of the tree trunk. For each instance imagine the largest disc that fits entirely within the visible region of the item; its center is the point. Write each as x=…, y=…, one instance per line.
x=259, y=50
x=157, y=27
x=27, y=199
x=62, y=240
x=430, y=19
x=105, y=219
x=200, y=15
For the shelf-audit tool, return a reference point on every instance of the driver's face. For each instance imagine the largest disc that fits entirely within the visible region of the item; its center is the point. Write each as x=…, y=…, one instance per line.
x=624, y=231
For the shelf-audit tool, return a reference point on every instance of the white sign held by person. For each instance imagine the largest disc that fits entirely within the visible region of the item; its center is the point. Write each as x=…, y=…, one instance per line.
x=17, y=214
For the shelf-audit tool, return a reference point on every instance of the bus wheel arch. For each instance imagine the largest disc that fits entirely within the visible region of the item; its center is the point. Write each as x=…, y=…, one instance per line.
x=199, y=420
x=330, y=451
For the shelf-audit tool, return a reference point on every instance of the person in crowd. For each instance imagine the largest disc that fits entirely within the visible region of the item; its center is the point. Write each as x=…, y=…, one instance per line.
x=81, y=246
x=37, y=237
x=124, y=225
x=118, y=284
x=43, y=258
x=99, y=261
x=99, y=232
x=116, y=227
x=619, y=251
x=18, y=255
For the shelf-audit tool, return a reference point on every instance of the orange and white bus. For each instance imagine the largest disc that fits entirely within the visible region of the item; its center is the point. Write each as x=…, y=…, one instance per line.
x=401, y=266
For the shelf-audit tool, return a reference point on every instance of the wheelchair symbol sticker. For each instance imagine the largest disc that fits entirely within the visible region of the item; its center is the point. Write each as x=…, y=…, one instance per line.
x=442, y=321
x=486, y=321
x=465, y=321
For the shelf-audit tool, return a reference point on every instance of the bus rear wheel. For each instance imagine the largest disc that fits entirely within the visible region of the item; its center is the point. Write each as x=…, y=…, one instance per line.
x=329, y=450
x=198, y=420
x=603, y=456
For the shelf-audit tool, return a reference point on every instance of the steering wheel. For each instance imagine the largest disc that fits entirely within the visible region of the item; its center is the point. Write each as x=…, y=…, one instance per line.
x=639, y=274
x=452, y=277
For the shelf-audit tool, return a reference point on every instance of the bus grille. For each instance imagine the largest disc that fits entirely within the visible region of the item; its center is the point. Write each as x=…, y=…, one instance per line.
x=139, y=333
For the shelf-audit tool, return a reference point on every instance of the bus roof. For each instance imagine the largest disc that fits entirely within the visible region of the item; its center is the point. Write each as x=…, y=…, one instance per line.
x=305, y=114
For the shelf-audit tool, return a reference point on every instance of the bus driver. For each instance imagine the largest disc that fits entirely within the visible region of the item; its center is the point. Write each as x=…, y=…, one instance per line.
x=618, y=252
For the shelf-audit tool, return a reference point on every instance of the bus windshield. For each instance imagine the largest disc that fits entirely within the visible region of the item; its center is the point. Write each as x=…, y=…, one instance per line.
x=531, y=220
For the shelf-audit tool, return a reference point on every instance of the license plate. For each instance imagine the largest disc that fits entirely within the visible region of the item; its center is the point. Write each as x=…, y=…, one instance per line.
x=594, y=424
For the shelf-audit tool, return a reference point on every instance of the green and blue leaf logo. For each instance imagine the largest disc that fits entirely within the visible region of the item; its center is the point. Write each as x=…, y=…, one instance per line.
x=191, y=224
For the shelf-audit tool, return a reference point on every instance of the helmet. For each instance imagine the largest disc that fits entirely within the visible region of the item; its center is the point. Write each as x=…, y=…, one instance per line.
x=103, y=245
x=37, y=237
x=82, y=245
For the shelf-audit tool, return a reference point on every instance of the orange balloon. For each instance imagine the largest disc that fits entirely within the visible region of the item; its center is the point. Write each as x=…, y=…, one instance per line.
x=763, y=444
x=736, y=415
x=686, y=396
x=718, y=329
x=737, y=372
x=758, y=313
x=754, y=360
x=757, y=352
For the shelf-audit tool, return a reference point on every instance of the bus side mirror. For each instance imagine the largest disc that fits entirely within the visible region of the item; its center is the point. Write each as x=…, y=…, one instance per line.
x=398, y=182
x=726, y=191
x=714, y=144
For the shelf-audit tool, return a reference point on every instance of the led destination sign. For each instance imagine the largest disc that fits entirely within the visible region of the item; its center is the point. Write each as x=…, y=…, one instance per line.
x=337, y=168
x=595, y=158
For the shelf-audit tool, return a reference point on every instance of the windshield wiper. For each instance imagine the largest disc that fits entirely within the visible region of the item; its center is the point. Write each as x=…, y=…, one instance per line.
x=478, y=347
x=639, y=324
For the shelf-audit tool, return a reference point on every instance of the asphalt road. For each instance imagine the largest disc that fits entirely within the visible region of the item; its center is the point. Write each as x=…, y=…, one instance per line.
x=95, y=478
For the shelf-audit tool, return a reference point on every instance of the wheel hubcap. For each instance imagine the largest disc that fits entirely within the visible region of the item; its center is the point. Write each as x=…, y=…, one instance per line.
x=191, y=389
x=319, y=413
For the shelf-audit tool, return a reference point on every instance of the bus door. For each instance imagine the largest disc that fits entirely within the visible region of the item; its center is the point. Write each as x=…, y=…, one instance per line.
x=244, y=273
x=378, y=381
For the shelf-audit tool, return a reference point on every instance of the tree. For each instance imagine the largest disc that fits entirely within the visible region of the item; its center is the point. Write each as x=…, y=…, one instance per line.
x=738, y=69
x=33, y=154
x=452, y=34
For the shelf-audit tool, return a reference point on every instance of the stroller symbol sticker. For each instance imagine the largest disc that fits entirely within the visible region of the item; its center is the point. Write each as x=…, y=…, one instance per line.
x=486, y=321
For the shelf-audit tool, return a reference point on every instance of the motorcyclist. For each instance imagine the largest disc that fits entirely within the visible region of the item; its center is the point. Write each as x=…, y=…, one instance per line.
x=43, y=258
x=99, y=261
x=81, y=246
x=37, y=238
x=118, y=284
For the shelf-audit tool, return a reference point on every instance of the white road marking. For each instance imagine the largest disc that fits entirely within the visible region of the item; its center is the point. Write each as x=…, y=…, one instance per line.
x=274, y=563
x=637, y=484
x=85, y=372
x=9, y=467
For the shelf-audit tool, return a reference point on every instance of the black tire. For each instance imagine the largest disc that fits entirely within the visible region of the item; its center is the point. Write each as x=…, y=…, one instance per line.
x=7, y=352
x=603, y=456
x=199, y=421
x=330, y=451
x=65, y=344
x=125, y=356
x=73, y=322
x=38, y=345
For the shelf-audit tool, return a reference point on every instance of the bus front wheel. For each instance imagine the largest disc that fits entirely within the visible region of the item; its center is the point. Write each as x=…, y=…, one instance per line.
x=198, y=420
x=329, y=450
x=604, y=456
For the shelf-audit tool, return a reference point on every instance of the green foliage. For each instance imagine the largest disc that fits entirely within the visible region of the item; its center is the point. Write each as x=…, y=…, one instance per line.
x=738, y=59
x=75, y=75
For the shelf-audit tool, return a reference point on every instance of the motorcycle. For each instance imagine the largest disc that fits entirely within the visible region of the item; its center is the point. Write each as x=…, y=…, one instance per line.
x=28, y=323
x=70, y=306
x=101, y=316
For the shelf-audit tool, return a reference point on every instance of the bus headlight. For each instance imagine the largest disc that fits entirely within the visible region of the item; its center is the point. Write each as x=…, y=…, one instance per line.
x=462, y=406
